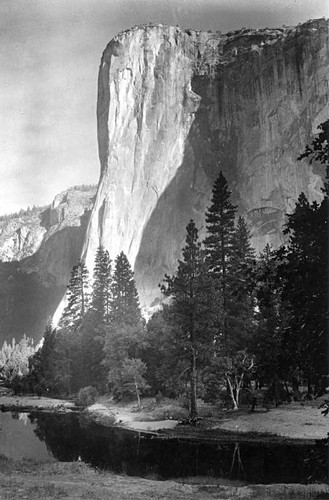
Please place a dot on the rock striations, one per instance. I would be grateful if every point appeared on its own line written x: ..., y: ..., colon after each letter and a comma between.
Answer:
x: 174, y: 107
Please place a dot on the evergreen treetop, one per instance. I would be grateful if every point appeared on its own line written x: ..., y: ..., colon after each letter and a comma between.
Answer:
x: 220, y: 219
x: 77, y: 297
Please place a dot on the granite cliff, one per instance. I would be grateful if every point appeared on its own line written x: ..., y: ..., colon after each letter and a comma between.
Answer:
x: 37, y: 251
x: 174, y: 107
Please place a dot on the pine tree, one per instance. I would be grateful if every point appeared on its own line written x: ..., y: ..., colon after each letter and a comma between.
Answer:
x: 77, y: 297
x: 102, y: 279
x: 91, y: 328
x: 68, y: 360
x: 220, y: 229
x: 125, y: 332
x: 218, y: 245
x: 125, y: 307
x: 190, y: 289
x: 318, y: 152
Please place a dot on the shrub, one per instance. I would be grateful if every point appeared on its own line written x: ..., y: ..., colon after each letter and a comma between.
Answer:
x: 87, y: 396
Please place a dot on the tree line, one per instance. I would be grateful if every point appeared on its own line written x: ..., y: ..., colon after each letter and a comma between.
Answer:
x: 28, y: 212
x: 228, y: 317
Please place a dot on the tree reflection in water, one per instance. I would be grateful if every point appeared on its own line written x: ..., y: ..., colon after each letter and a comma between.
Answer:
x: 236, y: 455
x: 69, y: 437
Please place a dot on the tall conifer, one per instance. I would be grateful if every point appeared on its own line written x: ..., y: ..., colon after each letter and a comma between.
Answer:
x: 92, y: 329
x: 220, y: 229
x: 218, y: 245
x: 125, y: 302
x: 102, y: 280
x: 125, y: 333
x: 77, y: 297
x: 304, y: 271
x: 191, y: 310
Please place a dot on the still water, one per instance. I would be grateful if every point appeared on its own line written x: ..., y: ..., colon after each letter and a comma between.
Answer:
x: 58, y: 437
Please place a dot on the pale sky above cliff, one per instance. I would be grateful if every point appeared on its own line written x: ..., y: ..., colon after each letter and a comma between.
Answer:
x: 49, y: 57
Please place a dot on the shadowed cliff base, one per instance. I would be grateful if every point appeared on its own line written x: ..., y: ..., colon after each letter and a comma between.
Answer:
x: 25, y: 303
x: 32, y: 289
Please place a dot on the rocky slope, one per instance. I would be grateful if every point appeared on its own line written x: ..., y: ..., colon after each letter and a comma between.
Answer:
x: 20, y: 235
x: 37, y: 252
x: 174, y: 107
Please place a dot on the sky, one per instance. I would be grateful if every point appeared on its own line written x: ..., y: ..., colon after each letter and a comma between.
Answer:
x: 49, y: 57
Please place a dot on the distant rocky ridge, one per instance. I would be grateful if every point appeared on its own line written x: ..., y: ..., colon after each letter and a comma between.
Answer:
x: 20, y: 236
x: 37, y: 252
x: 174, y: 107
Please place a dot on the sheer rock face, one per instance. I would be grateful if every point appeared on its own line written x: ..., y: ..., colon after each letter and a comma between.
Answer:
x: 176, y: 106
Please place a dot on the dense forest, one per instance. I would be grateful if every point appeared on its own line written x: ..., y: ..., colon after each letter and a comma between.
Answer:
x: 230, y: 322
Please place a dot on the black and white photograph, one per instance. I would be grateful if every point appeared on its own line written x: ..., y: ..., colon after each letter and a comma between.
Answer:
x: 164, y: 260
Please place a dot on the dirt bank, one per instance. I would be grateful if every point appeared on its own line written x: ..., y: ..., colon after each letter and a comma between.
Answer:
x: 152, y: 415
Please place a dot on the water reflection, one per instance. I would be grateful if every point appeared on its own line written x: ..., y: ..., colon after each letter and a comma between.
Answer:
x: 23, y: 417
x: 18, y: 439
x: 236, y: 458
x: 69, y: 437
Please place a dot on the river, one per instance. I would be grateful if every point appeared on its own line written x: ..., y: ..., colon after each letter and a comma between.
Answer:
x: 48, y: 437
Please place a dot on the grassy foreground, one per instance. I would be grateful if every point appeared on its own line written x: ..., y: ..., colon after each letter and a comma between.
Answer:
x: 29, y: 480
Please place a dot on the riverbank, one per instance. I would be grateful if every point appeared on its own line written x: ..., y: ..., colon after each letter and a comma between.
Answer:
x: 34, y: 403
x: 69, y: 481
x: 293, y: 421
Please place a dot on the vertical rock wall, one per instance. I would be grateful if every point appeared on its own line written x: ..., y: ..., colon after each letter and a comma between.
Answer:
x: 176, y: 106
